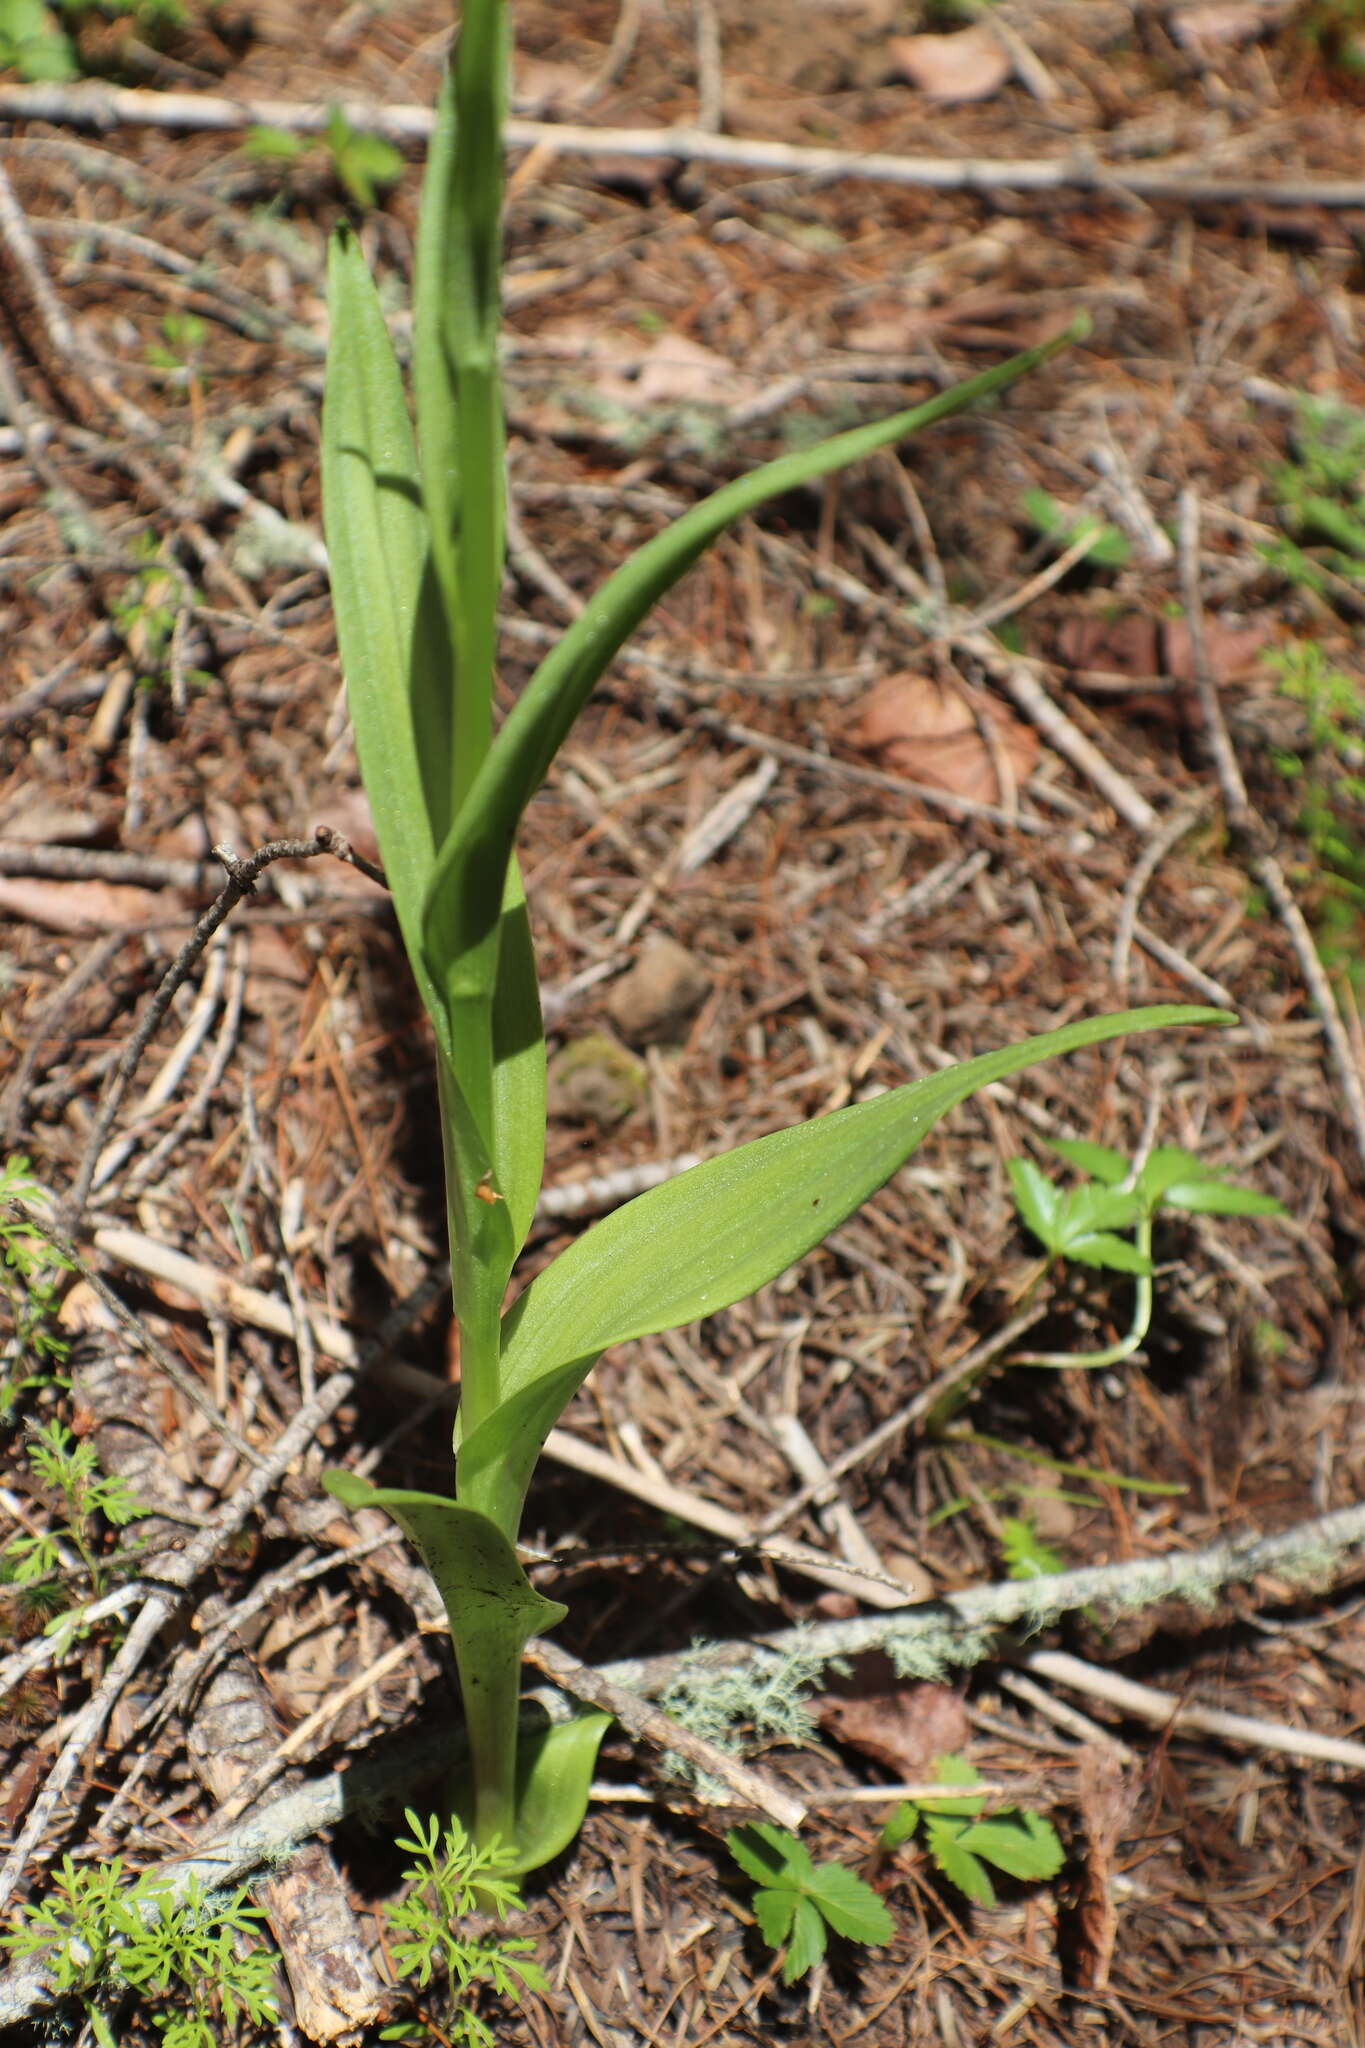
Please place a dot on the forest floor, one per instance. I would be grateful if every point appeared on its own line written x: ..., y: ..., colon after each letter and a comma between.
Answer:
x: 899, y: 775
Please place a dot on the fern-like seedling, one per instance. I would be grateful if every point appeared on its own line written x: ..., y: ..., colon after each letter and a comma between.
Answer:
x: 798, y: 1900
x: 451, y: 1879
x: 100, y: 1934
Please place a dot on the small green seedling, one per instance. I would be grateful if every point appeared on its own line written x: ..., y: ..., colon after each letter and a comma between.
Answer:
x: 451, y: 1879
x: 1108, y: 549
x: 1083, y: 1222
x: 176, y: 354
x: 1337, y: 29
x: 34, y: 44
x: 35, y: 1563
x: 799, y: 1902
x: 966, y: 1843
x: 98, y: 1936
x: 33, y: 1354
x: 145, y: 609
x: 1320, y: 498
x: 1023, y: 1551
x: 364, y: 164
x: 40, y: 41
x: 1328, y: 776
x: 416, y: 535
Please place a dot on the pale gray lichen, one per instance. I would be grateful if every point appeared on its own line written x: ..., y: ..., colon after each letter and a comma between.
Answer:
x: 933, y: 1652
x: 742, y: 1708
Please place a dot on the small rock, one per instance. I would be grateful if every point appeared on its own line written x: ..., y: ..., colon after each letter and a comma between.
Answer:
x: 654, y: 1000
x: 593, y: 1080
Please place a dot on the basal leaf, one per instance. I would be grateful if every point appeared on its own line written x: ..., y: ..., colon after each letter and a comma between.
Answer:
x: 1113, y: 1254
x: 769, y: 1854
x: 943, y: 1839
x: 807, y: 1943
x: 1221, y: 1198
x: 554, y: 1776
x: 1100, y: 1161
x: 474, y: 1567
x: 395, y: 652
x: 849, y: 1904
x: 1037, y: 1201
x: 496, y: 1460
x: 467, y: 884
x: 774, y: 1911
x: 1020, y: 1843
x: 493, y: 1611
x: 715, y: 1234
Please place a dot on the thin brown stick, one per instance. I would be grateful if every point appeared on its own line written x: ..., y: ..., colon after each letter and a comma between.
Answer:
x: 178, y: 1572
x: 710, y: 72
x: 272, y: 1766
x: 94, y: 864
x: 1162, y: 842
x: 141, y: 1338
x: 104, y: 107
x: 1169, y: 1710
x: 242, y: 877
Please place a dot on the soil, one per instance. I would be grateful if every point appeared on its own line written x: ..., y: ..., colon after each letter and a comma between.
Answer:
x: 1031, y: 820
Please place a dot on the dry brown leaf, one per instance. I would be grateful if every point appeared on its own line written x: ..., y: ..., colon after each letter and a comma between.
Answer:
x: 1127, y: 646
x: 680, y: 371
x: 972, y: 64
x: 81, y: 906
x: 544, y: 86
x: 43, y: 821
x: 1233, y: 651
x: 931, y: 733
x: 670, y: 369
x: 1137, y: 645
x: 1226, y: 24
x: 903, y: 1727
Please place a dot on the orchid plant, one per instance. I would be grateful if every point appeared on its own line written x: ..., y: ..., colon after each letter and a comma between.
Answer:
x: 414, y: 512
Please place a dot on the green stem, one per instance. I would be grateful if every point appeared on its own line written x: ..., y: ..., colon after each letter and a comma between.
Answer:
x: 478, y: 1261
x: 492, y: 1703
x: 1113, y: 1354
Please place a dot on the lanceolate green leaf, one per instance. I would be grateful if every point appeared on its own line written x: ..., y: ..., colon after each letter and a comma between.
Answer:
x: 434, y: 387
x: 394, y: 649
x: 466, y: 888
x: 714, y: 1234
x: 455, y: 368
